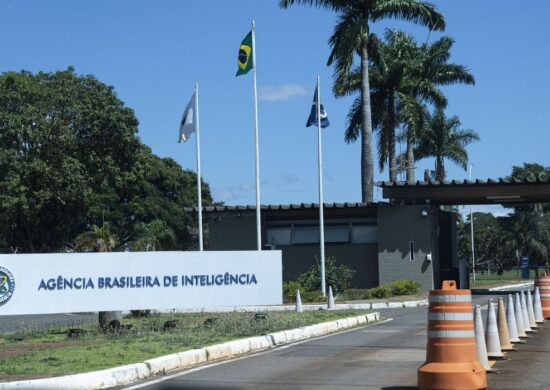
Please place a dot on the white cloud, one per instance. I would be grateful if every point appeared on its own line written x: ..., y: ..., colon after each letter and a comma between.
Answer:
x: 281, y: 92
x: 233, y: 193
x: 291, y: 180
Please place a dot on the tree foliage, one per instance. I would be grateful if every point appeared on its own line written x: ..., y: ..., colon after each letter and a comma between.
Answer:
x: 500, y: 241
x: 349, y: 44
x: 70, y: 158
x: 443, y: 138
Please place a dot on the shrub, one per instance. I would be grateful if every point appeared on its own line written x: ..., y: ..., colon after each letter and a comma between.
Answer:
x: 312, y: 296
x: 289, y: 291
x: 382, y: 291
x: 404, y: 287
x: 395, y: 288
x: 337, y: 275
x: 355, y: 294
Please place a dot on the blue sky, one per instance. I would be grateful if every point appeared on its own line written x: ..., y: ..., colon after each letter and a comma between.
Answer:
x: 152, y: 52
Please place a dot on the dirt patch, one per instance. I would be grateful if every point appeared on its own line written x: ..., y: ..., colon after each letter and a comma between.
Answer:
x: 13, y: 350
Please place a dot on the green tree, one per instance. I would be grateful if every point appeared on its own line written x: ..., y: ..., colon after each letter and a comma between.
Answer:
x: 70, y: 158
x: 350, y: 38
x: 396, y: 93
x: 490, y: 242
x: 432, y: 70
x: 65, y: 142
x: 442, y: 138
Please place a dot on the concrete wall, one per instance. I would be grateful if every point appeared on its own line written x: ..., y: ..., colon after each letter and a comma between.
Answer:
x: 397, y: 226
x: 232, y: 233
x: 360, y: 257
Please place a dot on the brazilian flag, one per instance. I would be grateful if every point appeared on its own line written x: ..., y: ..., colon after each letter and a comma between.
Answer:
x: 245, y: 55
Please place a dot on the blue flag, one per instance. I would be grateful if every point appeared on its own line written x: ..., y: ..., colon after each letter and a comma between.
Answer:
x: 312, y: 120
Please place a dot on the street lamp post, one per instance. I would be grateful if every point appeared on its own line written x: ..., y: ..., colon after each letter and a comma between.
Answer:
x: 472, y: 237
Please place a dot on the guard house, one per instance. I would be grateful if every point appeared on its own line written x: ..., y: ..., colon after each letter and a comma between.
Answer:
x: 351, y: 235
x: 381, y: 242
x: 412, y: 236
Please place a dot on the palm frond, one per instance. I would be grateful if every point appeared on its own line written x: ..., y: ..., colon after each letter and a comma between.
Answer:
x: 345, y: 40
x: 332, y: 5
x: 353, y: 123
x: 415, y: 11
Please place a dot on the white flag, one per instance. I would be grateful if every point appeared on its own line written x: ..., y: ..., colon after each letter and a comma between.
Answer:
x: 187, y: 125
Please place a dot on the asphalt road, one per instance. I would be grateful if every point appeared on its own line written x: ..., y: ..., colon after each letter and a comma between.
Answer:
x: 382, y: 356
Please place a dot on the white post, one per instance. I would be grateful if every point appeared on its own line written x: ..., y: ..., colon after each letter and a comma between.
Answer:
x: 320, y: 164
x: 258, y: 217
x: 472, y: 237
x: 198, y: 142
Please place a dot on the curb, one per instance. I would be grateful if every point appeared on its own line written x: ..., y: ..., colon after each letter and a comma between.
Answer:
x: 511, y: 286
x: 338, y: 306
x: 128, y: 374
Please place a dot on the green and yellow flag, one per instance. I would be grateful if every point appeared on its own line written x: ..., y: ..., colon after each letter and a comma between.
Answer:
x: 244, y: 60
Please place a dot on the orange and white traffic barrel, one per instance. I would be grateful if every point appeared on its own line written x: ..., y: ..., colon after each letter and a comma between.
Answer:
x: 451, y: 357
x: 543, y: 283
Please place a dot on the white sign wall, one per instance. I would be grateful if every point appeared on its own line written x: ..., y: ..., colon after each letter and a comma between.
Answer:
x: 70, y: 283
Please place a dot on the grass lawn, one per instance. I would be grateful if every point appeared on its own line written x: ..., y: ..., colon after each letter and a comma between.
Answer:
x: 494, y: 279
x: 33, y: 354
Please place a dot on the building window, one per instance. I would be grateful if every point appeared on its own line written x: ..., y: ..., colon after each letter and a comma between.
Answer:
x: 337, y: 233
x: 364, y: 233
x: 305, y: 234
x: 278, y: 235
x: 411, y: 251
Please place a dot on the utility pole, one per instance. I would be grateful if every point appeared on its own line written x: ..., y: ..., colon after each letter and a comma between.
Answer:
x: 472, y: 237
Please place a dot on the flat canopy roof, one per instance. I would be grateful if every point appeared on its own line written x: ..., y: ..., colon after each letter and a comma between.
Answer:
x: 491, y: 191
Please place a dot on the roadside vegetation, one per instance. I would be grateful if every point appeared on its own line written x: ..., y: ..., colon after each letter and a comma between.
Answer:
x: 31, y: 353
x: 501, y: 241
x: 339, y: 278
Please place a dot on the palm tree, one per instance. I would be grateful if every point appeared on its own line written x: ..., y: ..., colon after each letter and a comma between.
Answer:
x: 351, y: 37
x: 434, y: 71
x: 442, y: 138
x: 99, y: 239
x: 395, y: 92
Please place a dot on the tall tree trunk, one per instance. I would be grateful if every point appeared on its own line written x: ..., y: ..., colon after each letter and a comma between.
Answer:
x: 391, y: 139
x: 439, y: 169
x: 105, y: 317
x: 367, y: 165
x: 410, y: 157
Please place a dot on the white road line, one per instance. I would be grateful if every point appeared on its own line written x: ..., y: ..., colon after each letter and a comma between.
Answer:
x: 210, y: 365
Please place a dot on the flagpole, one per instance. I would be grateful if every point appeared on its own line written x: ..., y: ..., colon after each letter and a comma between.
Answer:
x: 258, y: 217
x: 321, y: 202
x: 198, y: 143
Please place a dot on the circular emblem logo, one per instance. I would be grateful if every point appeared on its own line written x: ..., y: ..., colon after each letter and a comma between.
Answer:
x: 7, y: 285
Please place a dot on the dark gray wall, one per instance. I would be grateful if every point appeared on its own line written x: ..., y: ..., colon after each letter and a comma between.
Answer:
x: 360, y: 257
x: 397, y: 226
x: 232, y: 233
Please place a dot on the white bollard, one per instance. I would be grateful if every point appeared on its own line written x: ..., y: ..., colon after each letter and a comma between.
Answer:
x: 519, y: 317
x: 299, y: 307
x: 531, y: 311
x: 539, y: 316
x: 524, y: 313
x: 481, y: 348
x: 330, y: 303
x: 511, y: 318
x: 492, y: 339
